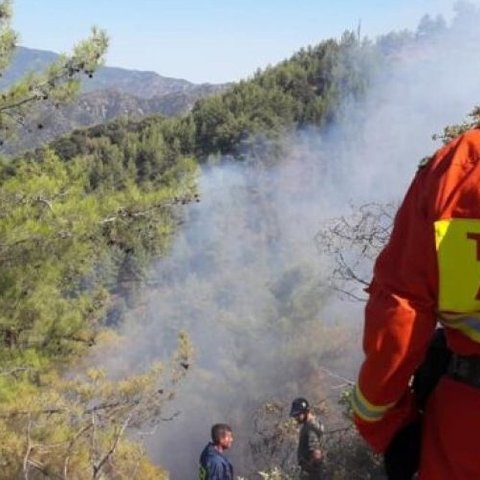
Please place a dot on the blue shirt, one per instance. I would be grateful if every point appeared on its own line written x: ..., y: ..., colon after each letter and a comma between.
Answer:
x: 214, y: 465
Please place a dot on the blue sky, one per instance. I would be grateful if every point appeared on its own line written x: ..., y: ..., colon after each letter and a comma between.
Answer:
x: 210, y: 40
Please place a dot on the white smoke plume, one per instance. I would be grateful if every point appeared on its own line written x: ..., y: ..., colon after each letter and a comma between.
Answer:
x: 245, y: 278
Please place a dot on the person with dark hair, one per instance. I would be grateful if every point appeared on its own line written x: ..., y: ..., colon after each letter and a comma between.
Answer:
x: 214, y: 465
x: 309, y: 453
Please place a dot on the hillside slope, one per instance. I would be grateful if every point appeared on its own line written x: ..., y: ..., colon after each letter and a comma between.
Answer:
x: 111, y: 93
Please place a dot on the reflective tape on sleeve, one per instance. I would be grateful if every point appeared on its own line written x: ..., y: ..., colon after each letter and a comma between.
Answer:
x: 365, y: 410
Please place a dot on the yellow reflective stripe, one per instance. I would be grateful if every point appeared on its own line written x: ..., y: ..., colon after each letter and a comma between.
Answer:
x: 468, y: 324
x: 365, y: 410
x: 457, y: 242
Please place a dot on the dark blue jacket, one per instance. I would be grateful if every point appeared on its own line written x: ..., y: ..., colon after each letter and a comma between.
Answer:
x: 214, y: 465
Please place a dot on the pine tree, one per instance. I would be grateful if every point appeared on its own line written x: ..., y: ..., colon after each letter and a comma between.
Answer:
x: 58, y: 84
x: 76, y: 226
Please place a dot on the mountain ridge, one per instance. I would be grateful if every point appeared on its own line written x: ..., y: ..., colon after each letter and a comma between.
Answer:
x: 27, y: 59
x: 111, y: 92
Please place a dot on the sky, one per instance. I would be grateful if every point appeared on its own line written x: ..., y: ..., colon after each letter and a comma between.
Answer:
x: 210, y: 41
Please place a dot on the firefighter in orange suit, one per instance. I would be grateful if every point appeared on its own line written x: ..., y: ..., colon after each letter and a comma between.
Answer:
x: 429, y: 271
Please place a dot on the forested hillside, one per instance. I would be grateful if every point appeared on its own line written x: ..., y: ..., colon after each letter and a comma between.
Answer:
x: 83, y: 219
x: 71, y: 235
x: 109, y: 94
x: 303, y: 91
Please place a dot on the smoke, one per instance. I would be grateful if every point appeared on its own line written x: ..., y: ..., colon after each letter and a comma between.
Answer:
x: 245, y: 278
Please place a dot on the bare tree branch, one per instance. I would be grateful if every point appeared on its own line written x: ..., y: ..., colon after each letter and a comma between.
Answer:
x: 97, y: 468
x: 352, y: 243
x: 29, y: 449
x: 65, y: 467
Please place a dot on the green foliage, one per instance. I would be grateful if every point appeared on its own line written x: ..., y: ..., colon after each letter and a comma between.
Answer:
x: 452, y: 131
x: 75, y: 428
x: 7, y: 35
x: 305, y: 90
x: 58, y: 84
x: 78, y: 223
x: 81, y: 220
x: 74, y: 236
x: 60, y: 224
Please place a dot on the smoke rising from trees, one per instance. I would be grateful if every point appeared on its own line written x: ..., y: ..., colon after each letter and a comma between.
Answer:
x: 245, y: 277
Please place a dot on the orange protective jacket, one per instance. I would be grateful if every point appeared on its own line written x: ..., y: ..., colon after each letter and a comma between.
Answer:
x: 428, y: 272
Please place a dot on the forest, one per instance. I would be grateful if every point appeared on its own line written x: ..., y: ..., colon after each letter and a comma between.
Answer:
x: 130, y: 279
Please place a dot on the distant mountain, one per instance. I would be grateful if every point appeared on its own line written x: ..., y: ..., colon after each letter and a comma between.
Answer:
x: 137, y: 83
x: 112, y: 92
x: 26, y: 60
x: 100, y: 107
x: 133, y: 82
